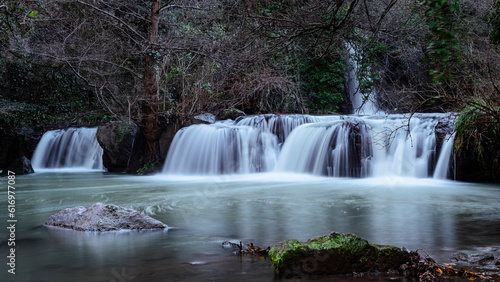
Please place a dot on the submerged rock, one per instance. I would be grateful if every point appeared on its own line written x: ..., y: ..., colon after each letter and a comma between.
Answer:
x: 103, y: 217
x: 333, y: 254
x: 479, y: 258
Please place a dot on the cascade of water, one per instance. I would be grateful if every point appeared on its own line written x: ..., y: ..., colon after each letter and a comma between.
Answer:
x: 338, y: 146
x: 362, y: 105
x: 337, y: 149
x: 443, y: 163
x: 221, y: 149
x: 402, y: 147
x: 68, y: 148
x: 279, y: 125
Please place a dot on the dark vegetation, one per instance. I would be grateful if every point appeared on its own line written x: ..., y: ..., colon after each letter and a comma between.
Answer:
x: 152, y: 62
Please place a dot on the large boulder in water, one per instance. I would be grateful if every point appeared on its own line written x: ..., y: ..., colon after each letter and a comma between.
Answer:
x: 334, y: 254
x: 103, y: 217
x: 116, y: 140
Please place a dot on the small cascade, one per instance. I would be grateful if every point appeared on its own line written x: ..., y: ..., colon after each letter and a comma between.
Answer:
x: 402, y: 147
x: 68, y: 148
x: 221, y: 149
x: 443, y: 163
x: 362, y: 105
x: 279, y: 125
x: 337, y: 149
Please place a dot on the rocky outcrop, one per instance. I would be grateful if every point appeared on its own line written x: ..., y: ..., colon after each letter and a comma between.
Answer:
x: 103, y: 217
x: 116, y: 139
x: 204, y: 119
x: 20, y: 165
x: 230, y: 114
x: 15, y: 142
x: 334, y: 254
x: 169, y: 125
x: 469, y: 169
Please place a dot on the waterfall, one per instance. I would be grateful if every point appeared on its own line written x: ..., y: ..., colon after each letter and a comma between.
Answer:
x: 362, y: 105
x: 68, y: 148
x: 443, y: 163
x: 279, y: 125
x: 337, y: 149
x: 337, y: 146
x: 221, y: 149
x: 402, y: 147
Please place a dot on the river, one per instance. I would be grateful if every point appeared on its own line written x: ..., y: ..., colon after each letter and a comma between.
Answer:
x: 441, y: 216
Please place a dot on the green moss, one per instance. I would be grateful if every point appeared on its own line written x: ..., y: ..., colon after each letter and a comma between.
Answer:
x: 284, y: 251
x: 122, y: 130
x: 334, y: 253
x: 344, y: 242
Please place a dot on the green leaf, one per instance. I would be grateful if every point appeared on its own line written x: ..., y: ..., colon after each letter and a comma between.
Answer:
x: 33, y: 14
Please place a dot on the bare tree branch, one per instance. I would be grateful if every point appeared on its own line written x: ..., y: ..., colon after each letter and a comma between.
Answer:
x: 114, y: 17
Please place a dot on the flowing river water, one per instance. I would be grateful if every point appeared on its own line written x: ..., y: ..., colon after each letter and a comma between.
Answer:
x: 441, y: 216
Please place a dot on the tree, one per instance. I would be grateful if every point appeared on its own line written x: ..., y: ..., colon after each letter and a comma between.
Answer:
x: 150, y: 107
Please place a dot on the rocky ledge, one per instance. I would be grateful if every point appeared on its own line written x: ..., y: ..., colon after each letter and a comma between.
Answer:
x: 334, y: 254
x: 103, y: 217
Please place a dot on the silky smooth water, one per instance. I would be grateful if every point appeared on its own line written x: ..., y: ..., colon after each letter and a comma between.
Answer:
x: 440, y: 216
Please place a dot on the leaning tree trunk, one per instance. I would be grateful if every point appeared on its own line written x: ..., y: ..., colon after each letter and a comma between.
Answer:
x: 150, y: 106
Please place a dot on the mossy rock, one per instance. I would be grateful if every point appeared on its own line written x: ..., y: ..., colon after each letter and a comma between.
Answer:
x: 116, y: 139
x: 230, y: 114
x: 334, y: 254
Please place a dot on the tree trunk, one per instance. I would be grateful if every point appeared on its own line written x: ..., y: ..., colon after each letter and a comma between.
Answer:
x: 150, y: 106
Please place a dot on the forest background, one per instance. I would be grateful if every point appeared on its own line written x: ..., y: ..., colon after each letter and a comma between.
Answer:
x: 151, y: 63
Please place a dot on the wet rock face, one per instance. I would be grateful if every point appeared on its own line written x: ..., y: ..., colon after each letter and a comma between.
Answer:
x: 103, y: 217
x: 116, y: 139
x: 20, y: 165
x: 230, y: 114
x: 334, y: 254
x: 204, y: 119
x: 484, y: 259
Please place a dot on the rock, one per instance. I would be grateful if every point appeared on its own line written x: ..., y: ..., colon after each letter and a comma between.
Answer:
x: 230, y: 114
x: 480, y: 258
x: 444, y: 128
x: 116, y: 140
x: 103, y: 217
x: 168, y: 129
x: 460, y: 257
x: 334, y: 254
x: 16, y: 143
x: 204, y: 118
x: 19, y: 166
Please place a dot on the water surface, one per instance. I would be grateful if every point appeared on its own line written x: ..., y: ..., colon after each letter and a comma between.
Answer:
x: 440, y: 216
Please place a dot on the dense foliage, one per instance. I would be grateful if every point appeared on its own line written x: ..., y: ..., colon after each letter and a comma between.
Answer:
x: 256, y: 56
x: 494, y: 21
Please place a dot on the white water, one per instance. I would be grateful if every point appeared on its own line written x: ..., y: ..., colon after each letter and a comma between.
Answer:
x: 442, y: 166
x: 442, y: 217
x: 362, y: 104
x: 338, y: 146
x: 68, y: 149
x: 279, y: 125
x: 221, y: 149
x: 324, y: 149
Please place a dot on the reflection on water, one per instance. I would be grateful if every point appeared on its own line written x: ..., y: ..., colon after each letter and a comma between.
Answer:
x: 439, y: 216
